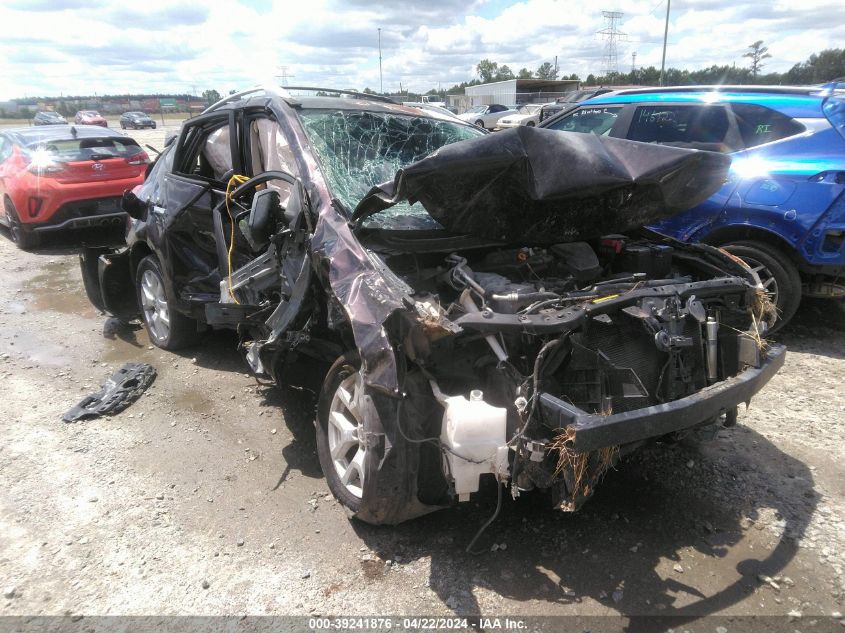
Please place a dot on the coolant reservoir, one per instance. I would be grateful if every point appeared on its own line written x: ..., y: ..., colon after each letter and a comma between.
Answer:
x: 474, y: 431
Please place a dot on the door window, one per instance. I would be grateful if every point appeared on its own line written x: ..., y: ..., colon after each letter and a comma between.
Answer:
x: 5, y: 148
x: 696, y: 127
x: 206, y: 151
x: 595, y: 120
x: 758, y: 125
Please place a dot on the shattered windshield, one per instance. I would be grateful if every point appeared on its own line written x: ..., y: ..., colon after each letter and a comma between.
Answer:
x: 359, y: 150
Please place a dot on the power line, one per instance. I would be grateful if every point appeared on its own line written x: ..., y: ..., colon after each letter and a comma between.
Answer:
x: 611, y: 34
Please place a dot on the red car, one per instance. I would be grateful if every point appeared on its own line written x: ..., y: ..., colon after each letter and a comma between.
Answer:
x: 63, y: 177
x: 90, y: 117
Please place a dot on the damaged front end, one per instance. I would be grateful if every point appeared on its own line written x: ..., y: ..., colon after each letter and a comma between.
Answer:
x: 547, y: 364
x: 543, y: 358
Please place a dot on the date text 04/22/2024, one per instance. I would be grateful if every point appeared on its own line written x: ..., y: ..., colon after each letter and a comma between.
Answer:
x: 416, y: 624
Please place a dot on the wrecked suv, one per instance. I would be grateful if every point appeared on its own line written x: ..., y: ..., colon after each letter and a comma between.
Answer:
x: 480, y: 305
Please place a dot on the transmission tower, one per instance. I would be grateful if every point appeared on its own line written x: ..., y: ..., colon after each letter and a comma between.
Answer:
x: 611, y: 34
x: 285, y: 75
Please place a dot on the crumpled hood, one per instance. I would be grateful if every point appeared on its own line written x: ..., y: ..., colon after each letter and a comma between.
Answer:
x: 542, y: 186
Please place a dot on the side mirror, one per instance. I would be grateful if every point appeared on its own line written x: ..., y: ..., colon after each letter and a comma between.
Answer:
x: 133, y: 205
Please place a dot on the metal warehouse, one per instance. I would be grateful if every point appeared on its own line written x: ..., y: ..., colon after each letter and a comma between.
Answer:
x: 518, y: 91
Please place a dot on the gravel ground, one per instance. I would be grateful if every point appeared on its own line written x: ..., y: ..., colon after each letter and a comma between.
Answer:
x: 206, y: 497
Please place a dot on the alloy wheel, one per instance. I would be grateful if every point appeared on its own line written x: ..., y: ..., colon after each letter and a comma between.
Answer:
x: 767, y: 277
x: 154, y: 305
x: 346, y: 435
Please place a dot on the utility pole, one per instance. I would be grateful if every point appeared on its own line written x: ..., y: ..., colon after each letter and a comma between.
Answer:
x: 665, y: 37
x: 284, y: 76
x: 380, y: 76
x: 611, y: 34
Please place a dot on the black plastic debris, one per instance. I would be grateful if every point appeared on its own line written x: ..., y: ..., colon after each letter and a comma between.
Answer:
x: 123, y: 388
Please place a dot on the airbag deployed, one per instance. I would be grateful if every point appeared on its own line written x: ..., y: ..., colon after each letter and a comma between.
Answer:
x: 543, y: 186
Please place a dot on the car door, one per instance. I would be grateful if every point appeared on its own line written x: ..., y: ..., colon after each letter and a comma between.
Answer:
x: 793, y: 172
x: 701, y: 126
x: 185, y: 234
x: 266, y: 148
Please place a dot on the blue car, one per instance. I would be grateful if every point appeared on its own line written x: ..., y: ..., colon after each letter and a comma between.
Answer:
x: 782, y: 209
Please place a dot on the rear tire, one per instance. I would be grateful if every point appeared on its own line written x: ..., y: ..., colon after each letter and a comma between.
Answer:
x: 778, y: 274
x: 530, y: 124
x: 167, y: 328
x: 344, y: 458
x: 480, y: 123
x: 24, y: 240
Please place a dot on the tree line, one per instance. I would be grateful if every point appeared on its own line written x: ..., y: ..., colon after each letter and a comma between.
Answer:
x: 821, y: 67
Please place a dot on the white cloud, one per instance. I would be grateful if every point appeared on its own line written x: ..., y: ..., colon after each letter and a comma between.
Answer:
x: 75, y: 47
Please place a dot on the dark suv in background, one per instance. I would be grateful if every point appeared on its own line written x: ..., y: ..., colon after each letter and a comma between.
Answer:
x: 782, y: 209
x: 136, y: 120
x: 49, y: 118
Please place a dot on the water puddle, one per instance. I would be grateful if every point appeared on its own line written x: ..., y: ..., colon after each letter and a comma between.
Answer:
x: 58, y: 289
x: 123, y: 343
x: 14, y: 307
x: 38, y: 351
x: 194, y: 401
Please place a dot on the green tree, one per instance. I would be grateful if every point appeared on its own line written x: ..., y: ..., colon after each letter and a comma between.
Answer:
x: 504, y: 73
x: 486, y: 70
x: 546, y: 71
x: 210, y: 96
x: 757, y: 53
x: 524, y: 73
x: 819, y: 67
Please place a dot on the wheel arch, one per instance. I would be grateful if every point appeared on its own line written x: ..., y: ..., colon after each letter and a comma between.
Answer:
x: 137, y: 252
x: 744, y: 232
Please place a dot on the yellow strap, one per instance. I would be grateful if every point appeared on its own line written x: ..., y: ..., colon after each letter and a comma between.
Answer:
x: 235, y: 180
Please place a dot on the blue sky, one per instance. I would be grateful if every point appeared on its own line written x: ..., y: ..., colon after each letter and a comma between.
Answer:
x: 52, y: 47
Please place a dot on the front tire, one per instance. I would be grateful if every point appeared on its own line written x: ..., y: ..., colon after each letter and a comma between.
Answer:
x: 167, y: 328
x: 480, y: 123
x: 779, y: 276
x: 341, y: 444
x: 530, y: 124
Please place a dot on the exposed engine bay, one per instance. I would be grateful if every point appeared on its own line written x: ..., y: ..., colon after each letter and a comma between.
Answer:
x: 505, y: 347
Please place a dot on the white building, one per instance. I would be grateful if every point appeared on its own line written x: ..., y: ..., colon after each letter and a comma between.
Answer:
x: 514, y: 92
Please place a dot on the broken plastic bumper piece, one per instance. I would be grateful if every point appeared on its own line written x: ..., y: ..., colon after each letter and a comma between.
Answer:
x: 123, y: 388
x: 595, y: 431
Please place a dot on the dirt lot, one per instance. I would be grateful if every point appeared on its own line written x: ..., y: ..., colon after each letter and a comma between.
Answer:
x: 205, y: 497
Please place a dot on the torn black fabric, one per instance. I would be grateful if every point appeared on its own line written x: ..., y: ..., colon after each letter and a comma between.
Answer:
x: 540, y: 186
